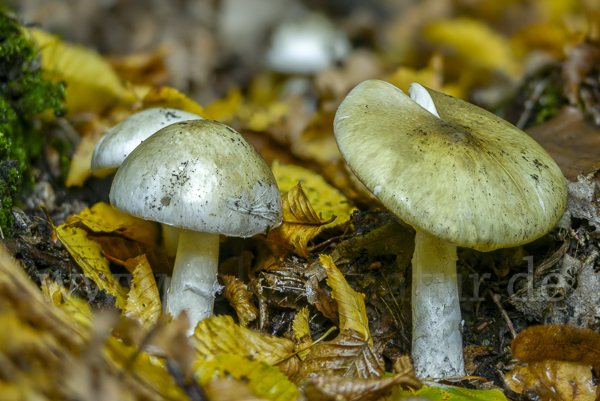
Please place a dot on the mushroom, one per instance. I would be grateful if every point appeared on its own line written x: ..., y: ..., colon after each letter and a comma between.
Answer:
x: 204, y: 178
x: 460, y: 176
x: 120, y: 140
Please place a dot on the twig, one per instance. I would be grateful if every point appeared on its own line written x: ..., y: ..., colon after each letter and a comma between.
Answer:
x: 496, y: 299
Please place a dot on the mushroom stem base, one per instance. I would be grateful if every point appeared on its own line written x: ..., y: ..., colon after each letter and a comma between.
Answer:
x: 194, y: 282
x: 437, y: 341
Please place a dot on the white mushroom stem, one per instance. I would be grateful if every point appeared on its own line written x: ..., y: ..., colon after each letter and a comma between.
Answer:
x: 194, y: 282
x: 437, y: 340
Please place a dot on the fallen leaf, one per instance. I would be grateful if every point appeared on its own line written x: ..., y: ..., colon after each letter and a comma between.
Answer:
x: 348, y: 355
x: 75, y: 307
x: 143, y: 300
x: 104, y: 218
x: 263, y: 380
x: 351, y: 304
x: 230, y: 390
x: 324, y: 198
x: 88, y: 255
x: 571, y: 141
x: 240, y: 299
x: 474, y: 43
x: 302, y: 332
x: 145, y: 68
x: 92, y: 84
x: 224, y: 110
x: 80, y: 168
x: 165, y: 96
x: 557, y: 341
x: 440, y: 392
x: 358, y: 389
x: 551, y: 379
x: 219, y: 335
x: 300, y: 222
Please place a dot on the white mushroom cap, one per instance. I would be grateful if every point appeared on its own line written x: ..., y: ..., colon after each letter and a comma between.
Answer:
x: 199, y: 175
x: 307, y: 46
x: 468, y: 177
x: 121, y: 139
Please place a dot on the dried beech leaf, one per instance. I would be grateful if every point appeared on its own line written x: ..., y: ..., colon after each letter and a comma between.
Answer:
x: 324, y: 198
x: 165, y: 96
x: 104, y: 218
x: 143, y: 301
x: 441, y: 392
x: 265, y: 381
x: 348, y: 355
x: 219, y: 335
x: 88, y: 255
x: 300, y: 222
x: 550, y: 379
x: 351, y: 304
x: 557, y: 341
x: 240, y: 299
x: 92, y: 84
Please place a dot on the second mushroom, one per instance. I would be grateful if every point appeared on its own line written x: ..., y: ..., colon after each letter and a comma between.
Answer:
x: 203, y: 177
x: 460, y: 176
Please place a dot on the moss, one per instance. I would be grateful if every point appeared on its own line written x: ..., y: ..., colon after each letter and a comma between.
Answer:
x: 24, y: 93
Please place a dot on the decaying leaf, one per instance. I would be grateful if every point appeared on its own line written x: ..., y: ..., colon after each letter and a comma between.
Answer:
x: 165, y: 96
x: 143, y: 300
x: 348, y: 355
x: 554, y: 380
x: 300, y: 222
x: 351, y: 304
x: 324, y: 198
x: 92, y: 84
x: 557, y: 341
x: 88, y: 255
x: 118, y: 248
x: 230, y: 390
x: 240, y: 298
x: 219, y: 335
x: 358, y: 389
x: 104, y: 218
x: 76, y: 308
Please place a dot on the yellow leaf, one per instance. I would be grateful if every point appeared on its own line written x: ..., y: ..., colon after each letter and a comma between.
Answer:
x: 302, y: 332
x: 88, y: 255
x: 224, y: 109
x: 300, y: 222
x: 103, y: 217
x: 263, y: 380
x: 324, y: 198
x: 170, y: 97
x: 143, y: 301
x: 475, y: 43
x: 92, y: 84
x: 219, y: 335
x: 351, y: 304
x: 441, y: 392
x: 75, y: 307
x: 80, y: 168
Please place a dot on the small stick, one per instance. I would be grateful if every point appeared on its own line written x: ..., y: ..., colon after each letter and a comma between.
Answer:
x: 496, y: 299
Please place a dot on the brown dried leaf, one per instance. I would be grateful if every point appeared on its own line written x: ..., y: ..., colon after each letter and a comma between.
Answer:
x: 348, y: 355
x: 571, y: 141
x: 146, y: 68
x: 358, y: 389
x: 554, y: 380
x: 143, y: 301
x: 560, y: 342
x: 240, y: 298
x: 219, y: 335
x: 300, y: 222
